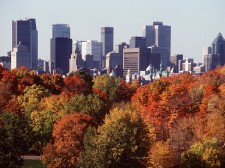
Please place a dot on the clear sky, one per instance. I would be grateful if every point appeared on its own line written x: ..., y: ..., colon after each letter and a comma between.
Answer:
x: 194, y: 23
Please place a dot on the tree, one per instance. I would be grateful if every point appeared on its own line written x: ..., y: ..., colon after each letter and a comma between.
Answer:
x: 76, y: 85
x: 15, y: 139
x: 43, y: 118
x: 122, y: 141
x: 208, y: 153
x: 91, y: 104
x: 109, y: 85
x: 67, y: 143
x: 31, y: 98
x: 163, y: 155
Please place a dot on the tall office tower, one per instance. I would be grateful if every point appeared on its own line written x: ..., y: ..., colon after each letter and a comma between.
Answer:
x: 25, y: 31
x: 149, y: 34
x: 20, y: 56
x: 218, y: 48
x: 159, y: 35
x: 107, y: 40
x: 137, y: 42
x: 60, y: 30
x: 207, y: 58
x: 61, y: 49
x: 76, y: 61
x: 175, y: 62
x: 94, y: 48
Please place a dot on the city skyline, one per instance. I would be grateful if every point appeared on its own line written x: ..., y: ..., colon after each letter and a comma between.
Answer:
x: 194, y: 25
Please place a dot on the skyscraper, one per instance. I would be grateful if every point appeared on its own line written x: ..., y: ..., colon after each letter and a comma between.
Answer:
x: 94, y: 48
x: 218, y: 48
x: 61, y: 49
x: 107, y: 40
x: 60, y: 30
x: 20, y: 56
x: 159, y: 35
x: 25, y: 32
x: 137, y: 42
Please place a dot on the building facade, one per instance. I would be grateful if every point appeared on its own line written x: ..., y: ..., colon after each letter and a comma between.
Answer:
x: 137, y: 42
x: 60, y: 30
x: 138, y: 59
x: 107, y: 40
x: 159, y: 35
x: 93, y: 48
x: 25, y: 32
x: 61, y: 50
x: 20, y: 56
x: 218, y: 48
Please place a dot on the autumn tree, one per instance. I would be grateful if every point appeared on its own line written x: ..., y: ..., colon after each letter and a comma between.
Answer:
x: 122, y: 141
x: 112, y: 86
x: 43, y: 118
x: 67, y: 145
x: 208, y: 153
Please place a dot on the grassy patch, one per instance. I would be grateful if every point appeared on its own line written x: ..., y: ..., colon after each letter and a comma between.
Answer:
x: 33, y: 164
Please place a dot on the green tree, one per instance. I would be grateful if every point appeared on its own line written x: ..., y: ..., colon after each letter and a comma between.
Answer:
x: 15, y: 139
x: 208, y: 153
x: 122, y: 141
x: 90, y: 104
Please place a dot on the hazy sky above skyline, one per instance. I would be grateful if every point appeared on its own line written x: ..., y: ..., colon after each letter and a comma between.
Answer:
x: 194, y: 23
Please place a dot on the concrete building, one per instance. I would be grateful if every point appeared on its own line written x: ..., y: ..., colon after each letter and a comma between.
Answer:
x: 207, y: 58
x: 20, y: 56
x: 60, y: 30
x: 188, y: 65
x: 93, y: 48
x: 76, y: 62
x: 138, y: 59
x: 25, y: 32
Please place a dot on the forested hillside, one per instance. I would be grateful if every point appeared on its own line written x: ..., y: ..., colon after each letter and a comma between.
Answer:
x: 80, y: 121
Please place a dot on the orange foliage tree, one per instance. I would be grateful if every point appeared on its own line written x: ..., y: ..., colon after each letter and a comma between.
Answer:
x: 67, y: 145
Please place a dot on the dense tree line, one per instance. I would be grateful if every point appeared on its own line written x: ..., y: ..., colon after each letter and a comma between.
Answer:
x: 81, y: 121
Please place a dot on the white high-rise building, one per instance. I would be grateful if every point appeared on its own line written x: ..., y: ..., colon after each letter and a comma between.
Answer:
x: 20, y: 56
x: 94, y: 48
x: 60, y: 30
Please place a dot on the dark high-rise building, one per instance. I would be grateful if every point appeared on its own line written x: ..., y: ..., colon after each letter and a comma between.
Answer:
x: 218, y: 48
x: 176, y: 64
x: 107, y: 40
x: 61, y: 50
x: 159, y: 35
x: 137, y: 42
x: 25, y: 32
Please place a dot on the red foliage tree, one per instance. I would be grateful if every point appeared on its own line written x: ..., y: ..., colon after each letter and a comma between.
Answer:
x: 68, y: 136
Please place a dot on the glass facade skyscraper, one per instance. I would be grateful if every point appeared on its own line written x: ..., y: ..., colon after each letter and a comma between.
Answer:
x: 107, y: 40
x: 60, y: 30
x: 25, y: 32
x: 159, y: 35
